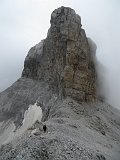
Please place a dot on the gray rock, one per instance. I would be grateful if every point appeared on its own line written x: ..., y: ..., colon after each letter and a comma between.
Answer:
x: 73, y: 132
x: 63, y: 59
x: 59, y: 73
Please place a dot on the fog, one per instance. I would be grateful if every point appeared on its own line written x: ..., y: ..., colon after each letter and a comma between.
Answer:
x: 24, y: 23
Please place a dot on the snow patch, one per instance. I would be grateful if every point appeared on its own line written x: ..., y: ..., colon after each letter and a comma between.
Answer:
x: 33, y: 113
x: 7, y: 133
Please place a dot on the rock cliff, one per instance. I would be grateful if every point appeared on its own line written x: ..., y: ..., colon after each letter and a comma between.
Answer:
x: 59, y: 75
x: 63, y: 59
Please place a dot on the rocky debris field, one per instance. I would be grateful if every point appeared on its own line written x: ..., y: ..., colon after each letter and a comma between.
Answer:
x: 74, y: 131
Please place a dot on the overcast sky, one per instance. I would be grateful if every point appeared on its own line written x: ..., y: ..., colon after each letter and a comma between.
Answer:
x: 23, y: 23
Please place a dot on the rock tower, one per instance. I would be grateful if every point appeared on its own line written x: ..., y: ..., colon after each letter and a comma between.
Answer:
x: 64, y: 59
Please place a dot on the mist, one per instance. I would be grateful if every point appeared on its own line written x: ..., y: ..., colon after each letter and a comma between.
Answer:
x: 25, y: 23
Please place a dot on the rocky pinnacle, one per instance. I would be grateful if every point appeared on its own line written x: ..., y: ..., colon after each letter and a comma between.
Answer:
x: 64, y: 59
x: 59, y: 74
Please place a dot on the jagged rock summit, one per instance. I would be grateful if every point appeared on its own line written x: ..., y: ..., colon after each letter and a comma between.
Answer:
x: 63, y: 59
x: 59, y: 78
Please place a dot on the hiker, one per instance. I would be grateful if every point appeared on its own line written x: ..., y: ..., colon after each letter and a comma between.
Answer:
x: 44, y: 128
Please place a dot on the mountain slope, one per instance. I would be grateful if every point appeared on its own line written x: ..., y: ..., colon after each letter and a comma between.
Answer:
x: 59, y: 76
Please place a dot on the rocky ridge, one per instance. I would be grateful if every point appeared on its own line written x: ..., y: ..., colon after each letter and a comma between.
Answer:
x: 59, y: 73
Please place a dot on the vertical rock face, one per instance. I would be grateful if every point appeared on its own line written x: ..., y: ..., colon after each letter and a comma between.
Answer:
x: 64, y: 58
